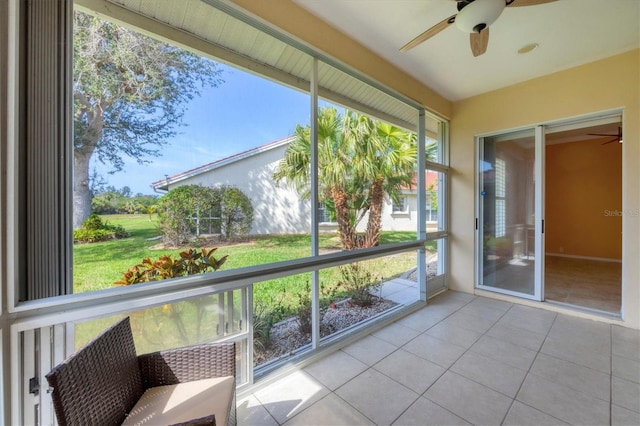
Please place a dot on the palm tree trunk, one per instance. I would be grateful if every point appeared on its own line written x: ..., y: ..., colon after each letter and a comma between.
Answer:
x: 347, y: 234
x: 374, y: 224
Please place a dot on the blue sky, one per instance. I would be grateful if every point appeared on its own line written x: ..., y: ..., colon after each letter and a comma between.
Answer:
x: 243, y: 112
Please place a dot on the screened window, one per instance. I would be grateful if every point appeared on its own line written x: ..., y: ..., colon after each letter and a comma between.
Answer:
x: 400, y: 206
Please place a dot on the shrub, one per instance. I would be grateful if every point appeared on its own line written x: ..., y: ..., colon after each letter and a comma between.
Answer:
x: 188, y: 210
x: 303, y: 313
x: 262, y: 323
x: 236, y: 212
x: 94, y: 229
x: 190, y: 262
x: 359, y: 283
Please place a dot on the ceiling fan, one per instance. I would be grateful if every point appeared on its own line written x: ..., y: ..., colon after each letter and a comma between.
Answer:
x: 473, y: 17
x: 616, y: 138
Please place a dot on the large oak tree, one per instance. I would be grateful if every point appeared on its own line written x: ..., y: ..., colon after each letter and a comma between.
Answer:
x: 130, y: 93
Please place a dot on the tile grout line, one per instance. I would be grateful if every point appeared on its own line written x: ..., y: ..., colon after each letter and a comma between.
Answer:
x: 422, y: 395
x: 515, y: 398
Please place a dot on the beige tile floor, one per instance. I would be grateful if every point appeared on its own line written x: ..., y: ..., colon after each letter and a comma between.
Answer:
x: 583, y: 282
x: 465, y: 360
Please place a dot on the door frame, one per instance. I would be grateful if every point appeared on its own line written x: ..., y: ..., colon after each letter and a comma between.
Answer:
x: 538, y: 293
x: 541, y: 129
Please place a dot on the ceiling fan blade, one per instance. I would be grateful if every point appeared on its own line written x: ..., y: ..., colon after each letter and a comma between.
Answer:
x: 516, y: 3
x: 479, y: 42
x: 429, y: 33
x: 618, y: 135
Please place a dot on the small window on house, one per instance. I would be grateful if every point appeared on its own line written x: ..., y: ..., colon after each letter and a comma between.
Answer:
x: 400, y: 206
x: 325, y: 214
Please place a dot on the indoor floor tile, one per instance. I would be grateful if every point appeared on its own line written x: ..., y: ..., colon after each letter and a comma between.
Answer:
x: 522, y: 415
x: 596, y: 357
x: 470, y: 322
x: 336, y: 369
x: 473, y: 402
x: 425, y: 413
x: 454, y: 334
x: 491, y: 373
x: 563, y: 402
x: 575, y: 376
x: 625, y: 368
x: 424, y: 318
x: 290, y: 395
x: 623, y: 417
x: 625, y: 342
x: 396, y: 334
x: 378, y: 397
x: 505, y: 352
x: 435, y: 350
x: 330, y: 410
x: 625, y: 394
x: 436, y: 367
x: 410, y: 370
x: 369, y: 349
x: 528, y: 318
x: 517, y: 336
x: 250, y: 412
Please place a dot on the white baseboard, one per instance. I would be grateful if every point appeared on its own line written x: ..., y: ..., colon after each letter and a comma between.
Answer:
x: 572, y: 256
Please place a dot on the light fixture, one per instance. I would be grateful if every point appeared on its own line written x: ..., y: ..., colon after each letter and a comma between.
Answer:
x: 478, y: 15
x: 528, y: 48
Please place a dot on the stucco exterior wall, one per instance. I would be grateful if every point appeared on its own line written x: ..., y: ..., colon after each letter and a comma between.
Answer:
x: 276, y: 209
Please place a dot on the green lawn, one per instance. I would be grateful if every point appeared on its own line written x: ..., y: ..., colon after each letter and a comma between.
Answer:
x: 98, y: 265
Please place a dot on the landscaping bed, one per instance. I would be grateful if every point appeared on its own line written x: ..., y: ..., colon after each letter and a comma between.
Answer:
x: 286, y: 336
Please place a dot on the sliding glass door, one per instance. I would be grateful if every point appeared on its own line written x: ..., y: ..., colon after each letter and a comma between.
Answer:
x: 510, y: 213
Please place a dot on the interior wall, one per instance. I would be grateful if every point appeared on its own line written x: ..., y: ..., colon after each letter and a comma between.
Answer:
x: 603, y: 85
x: 583, y: 199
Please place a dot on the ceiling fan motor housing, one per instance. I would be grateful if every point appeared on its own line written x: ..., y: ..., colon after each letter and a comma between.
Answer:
x: 476, y: 15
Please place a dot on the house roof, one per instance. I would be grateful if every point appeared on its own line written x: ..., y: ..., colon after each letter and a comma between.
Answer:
x: 163, y: 184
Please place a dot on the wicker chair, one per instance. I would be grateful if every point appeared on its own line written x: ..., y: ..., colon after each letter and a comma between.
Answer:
x: 107, y: 383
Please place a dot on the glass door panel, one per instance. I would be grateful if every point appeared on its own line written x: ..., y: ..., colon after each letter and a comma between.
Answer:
x: 507, y: 207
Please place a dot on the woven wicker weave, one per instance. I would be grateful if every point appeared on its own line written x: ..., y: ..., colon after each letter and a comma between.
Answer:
x: 100, y: 383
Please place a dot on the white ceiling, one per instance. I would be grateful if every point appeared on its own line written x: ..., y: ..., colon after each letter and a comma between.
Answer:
x: 569, y: 32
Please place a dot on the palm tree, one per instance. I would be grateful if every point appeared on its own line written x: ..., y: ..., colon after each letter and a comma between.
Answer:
x: 359, y: 161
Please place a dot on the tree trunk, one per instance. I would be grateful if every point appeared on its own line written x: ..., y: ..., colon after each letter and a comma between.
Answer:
x: 81, y: 189
x: 374, y: 224
x: 347, y: 233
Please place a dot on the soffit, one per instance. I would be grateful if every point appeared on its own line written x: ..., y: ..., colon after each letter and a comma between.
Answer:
x: 242, y: 45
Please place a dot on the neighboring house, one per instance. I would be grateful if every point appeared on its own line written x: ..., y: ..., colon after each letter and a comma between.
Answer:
x: 278, y: 209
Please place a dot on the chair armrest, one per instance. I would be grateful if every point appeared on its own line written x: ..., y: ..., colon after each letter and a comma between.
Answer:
x: 186, y: 364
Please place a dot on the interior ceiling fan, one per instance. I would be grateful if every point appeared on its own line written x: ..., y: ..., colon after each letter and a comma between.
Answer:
x: 473, y: 17
x: 615, y: 138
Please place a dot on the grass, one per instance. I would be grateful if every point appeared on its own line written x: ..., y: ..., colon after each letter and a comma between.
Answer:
x: 98, y: 265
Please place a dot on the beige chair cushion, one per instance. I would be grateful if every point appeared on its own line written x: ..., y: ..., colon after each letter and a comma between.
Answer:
x: 165, y: 405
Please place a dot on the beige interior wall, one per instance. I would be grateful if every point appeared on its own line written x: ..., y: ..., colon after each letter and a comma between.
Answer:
x: 599, y: 86
x: 583, y: 195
